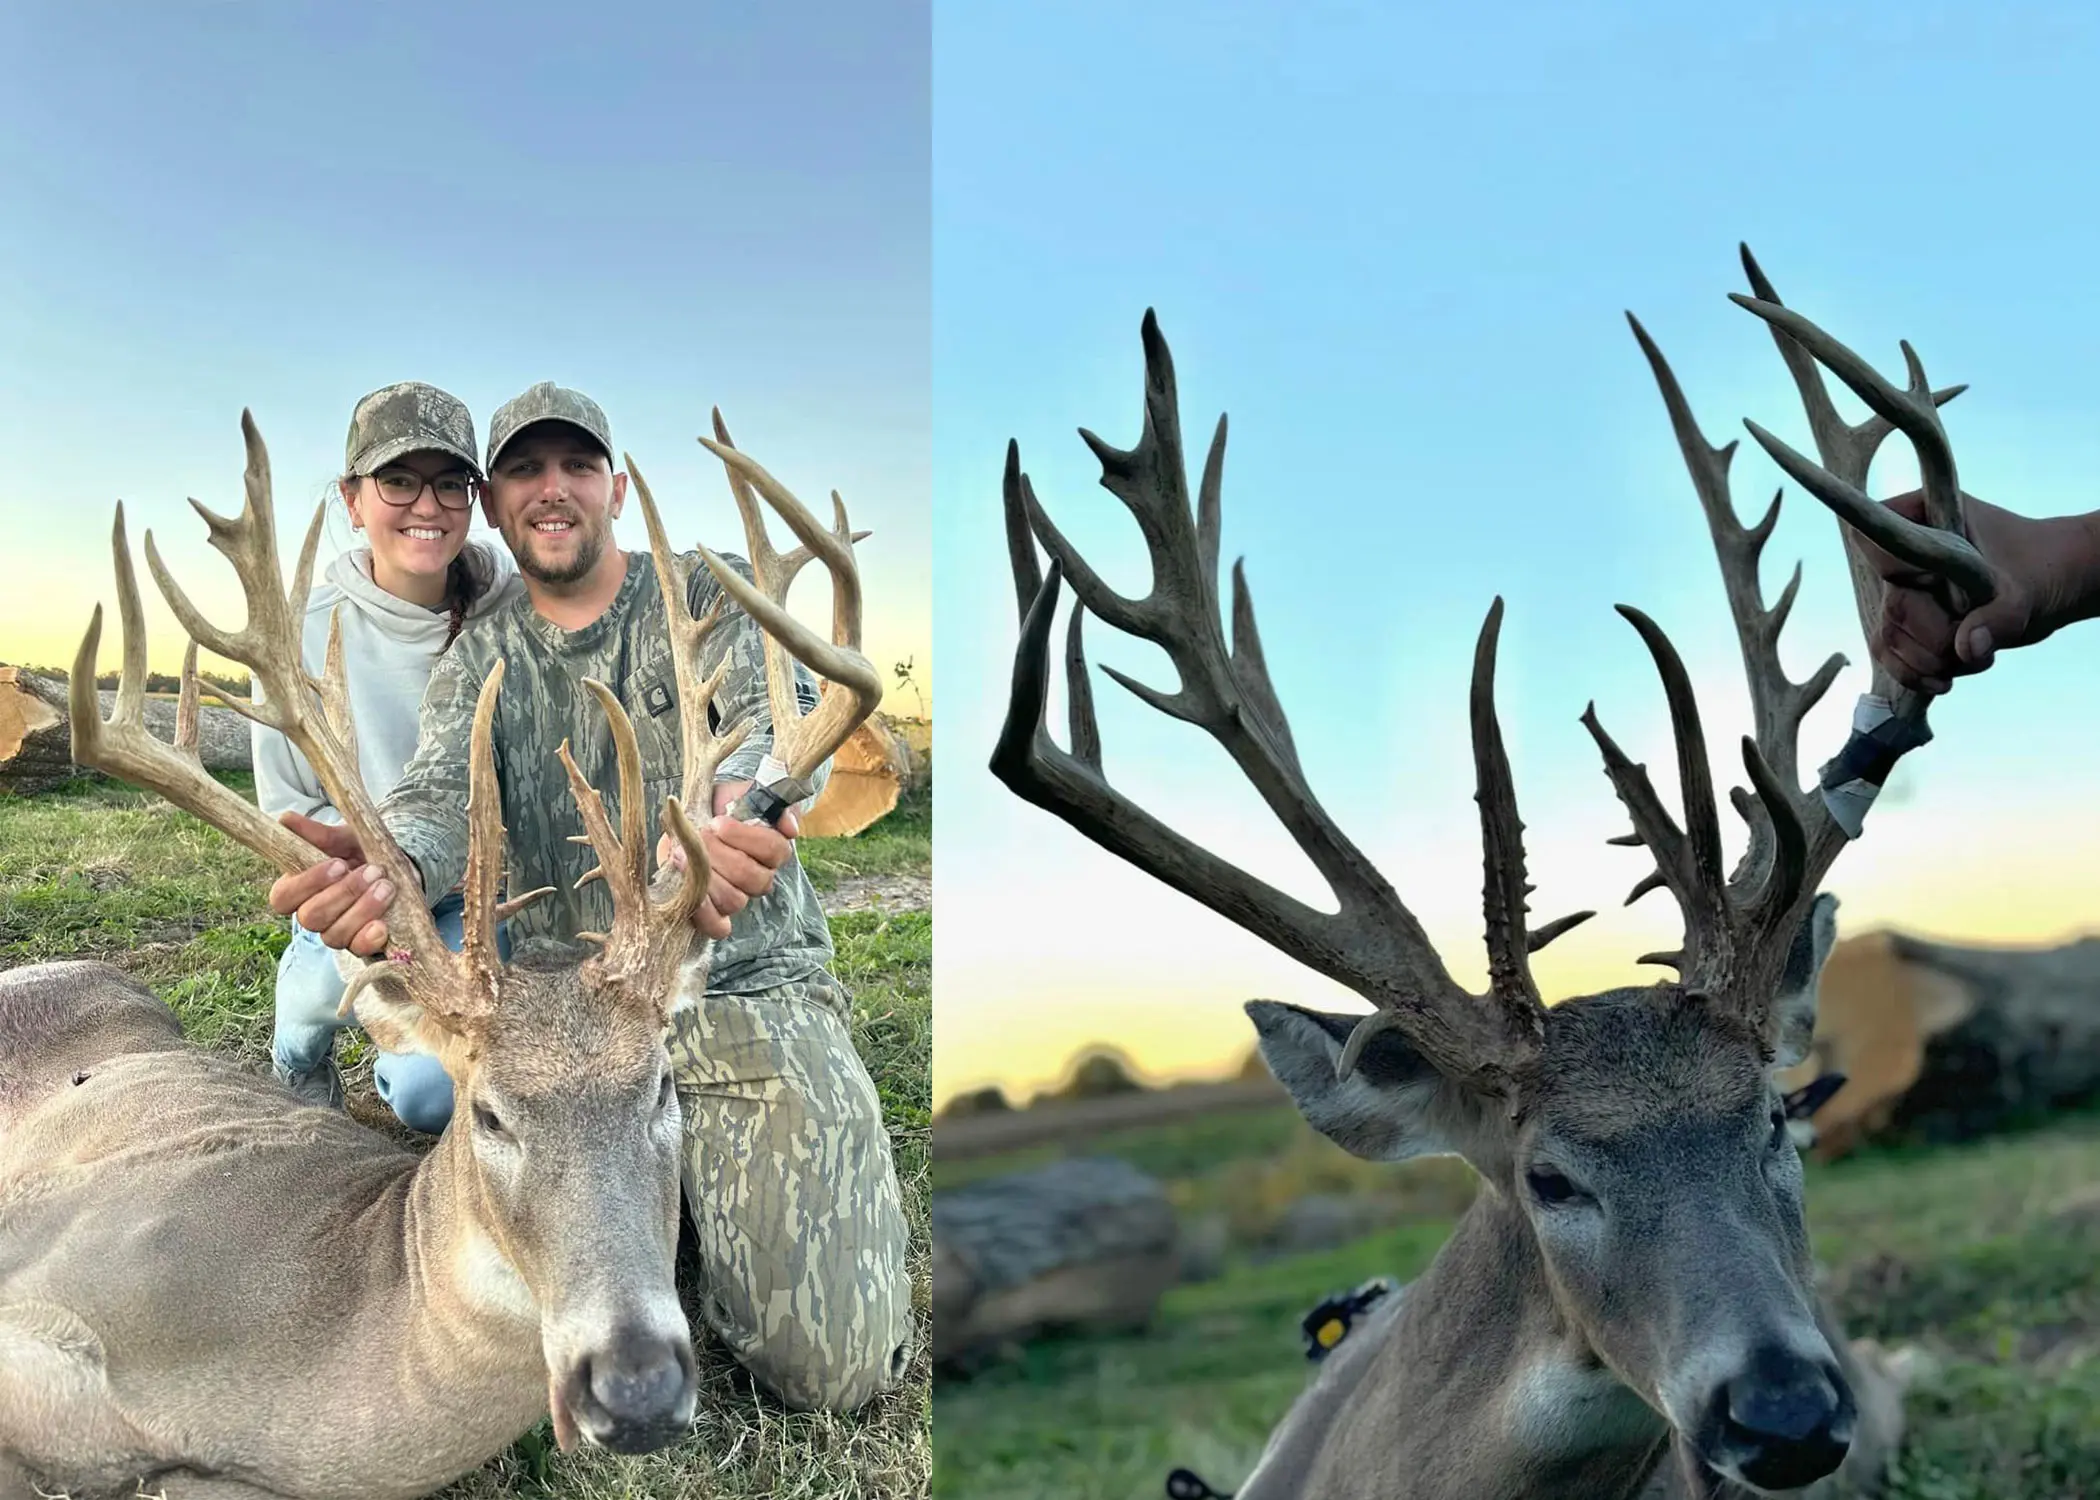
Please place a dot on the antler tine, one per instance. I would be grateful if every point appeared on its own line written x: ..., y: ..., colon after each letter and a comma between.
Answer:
x: 478, y: 953
x: 123, y: 748
x: 651, y: 934
x: 334, y: 691
x: 621, y: 856
x: 1502, y: 842
x: 852, y: 689
x: 704, y: 749
x: 269, y: 643
x: 1372, y: 943
x: 1941, y: 546
x: 782, y: 568
x: 186, y: 704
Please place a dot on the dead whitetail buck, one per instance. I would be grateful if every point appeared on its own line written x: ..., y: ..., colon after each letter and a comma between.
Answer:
x: 210, y: 1288
x: 1636, y: 1273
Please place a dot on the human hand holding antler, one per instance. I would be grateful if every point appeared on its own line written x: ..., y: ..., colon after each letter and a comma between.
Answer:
x: 344, y: 899
x: 2045, y: 572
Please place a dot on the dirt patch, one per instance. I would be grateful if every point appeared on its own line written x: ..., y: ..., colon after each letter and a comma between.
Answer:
x: 141, y: 952
x: 879, y: 892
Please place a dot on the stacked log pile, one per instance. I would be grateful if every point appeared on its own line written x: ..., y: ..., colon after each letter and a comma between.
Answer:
x: 1947, y: 1042
x: 1082, y: 1244
x: 36, y: 743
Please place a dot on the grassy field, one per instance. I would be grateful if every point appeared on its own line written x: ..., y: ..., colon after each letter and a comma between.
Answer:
x: 105, y: 872
x: 1987, y: 1256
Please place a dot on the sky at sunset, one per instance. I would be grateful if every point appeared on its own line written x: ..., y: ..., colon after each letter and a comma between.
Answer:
x: 1396, y: 245
x: 212, y: 207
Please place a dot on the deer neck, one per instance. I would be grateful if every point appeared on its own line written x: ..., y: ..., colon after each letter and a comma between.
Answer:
x: 472, y: 1337
x: 1480, y: 1387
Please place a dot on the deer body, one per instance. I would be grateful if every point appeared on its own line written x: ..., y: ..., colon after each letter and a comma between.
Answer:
x: 208, y: 1285
x: 124, y: 1191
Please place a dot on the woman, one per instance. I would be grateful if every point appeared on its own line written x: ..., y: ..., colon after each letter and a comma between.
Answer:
x: 409, y: 483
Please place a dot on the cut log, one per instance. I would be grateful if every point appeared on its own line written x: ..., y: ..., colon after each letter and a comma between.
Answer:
x: 868, y: 774
x: 1084, y: 1244
x: 1945, y: 1042
x: 36, y: 740
x: 36, y: 751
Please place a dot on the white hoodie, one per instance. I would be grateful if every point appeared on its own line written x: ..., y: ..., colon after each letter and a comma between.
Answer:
x: 389, y: 648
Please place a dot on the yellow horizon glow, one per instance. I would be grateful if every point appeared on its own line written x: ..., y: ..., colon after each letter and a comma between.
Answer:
x: 1180, y: 1018
x: 44, y: 616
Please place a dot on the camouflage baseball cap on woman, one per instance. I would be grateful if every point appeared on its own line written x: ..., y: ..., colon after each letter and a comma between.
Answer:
x: 409, y: 417
x: 548, y: 402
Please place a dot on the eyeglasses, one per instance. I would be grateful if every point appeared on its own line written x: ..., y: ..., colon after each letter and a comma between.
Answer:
x: 402, y: 488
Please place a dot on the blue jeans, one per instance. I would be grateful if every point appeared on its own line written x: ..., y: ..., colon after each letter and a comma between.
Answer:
x: 413, y: 1084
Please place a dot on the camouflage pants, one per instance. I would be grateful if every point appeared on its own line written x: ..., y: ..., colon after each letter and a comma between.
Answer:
x: 792, y: 1190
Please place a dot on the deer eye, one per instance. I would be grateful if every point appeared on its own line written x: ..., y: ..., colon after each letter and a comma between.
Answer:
x: 486, y: 1119
x: 1779, y: 1137
x: 667, y: 1091
x: 1551, y: 1188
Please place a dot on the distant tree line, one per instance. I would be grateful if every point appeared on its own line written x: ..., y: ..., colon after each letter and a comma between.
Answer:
x: 156, y: 682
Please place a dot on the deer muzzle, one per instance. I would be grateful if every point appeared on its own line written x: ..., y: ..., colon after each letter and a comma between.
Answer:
x: 635, y: 1394
x: 1784, y: 1421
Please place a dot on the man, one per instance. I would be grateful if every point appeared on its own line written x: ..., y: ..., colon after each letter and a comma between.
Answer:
x: 2047, y: 573
x: 788, y: 1173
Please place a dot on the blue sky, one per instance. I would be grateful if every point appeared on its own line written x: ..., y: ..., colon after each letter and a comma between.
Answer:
x: 1396, y: 245
x: 209, y: 206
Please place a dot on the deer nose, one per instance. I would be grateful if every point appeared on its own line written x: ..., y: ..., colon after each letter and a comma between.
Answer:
x: 1786, y: 1421
x: 640, y: 1392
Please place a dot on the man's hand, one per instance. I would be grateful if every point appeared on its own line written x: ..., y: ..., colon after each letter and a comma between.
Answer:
x: 2045, y: 574
x: 341, y: 900
x: 744, y: 858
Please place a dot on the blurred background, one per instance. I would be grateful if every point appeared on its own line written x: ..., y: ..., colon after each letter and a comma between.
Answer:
x: 1397, y: 247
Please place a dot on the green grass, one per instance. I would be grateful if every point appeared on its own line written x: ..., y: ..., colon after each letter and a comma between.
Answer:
x: 1986, y: 1255
x: 898, y: 845
x: 95, y: 870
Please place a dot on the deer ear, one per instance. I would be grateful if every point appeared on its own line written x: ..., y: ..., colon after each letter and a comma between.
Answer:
x: 396, y: 1023
x: 1394, y: 1105
x: 1794, y: 1007
x: 405, y: 1027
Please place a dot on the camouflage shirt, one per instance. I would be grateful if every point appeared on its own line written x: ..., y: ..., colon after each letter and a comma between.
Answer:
x: 778, y: 939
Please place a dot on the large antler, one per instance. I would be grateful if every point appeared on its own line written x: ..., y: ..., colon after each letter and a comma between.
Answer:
x: 651, y: 933
x: 852, y: 688
x: 122, y: 746
x: 1372, y: 943
x: 1738, y: 927
x: 458, y: 990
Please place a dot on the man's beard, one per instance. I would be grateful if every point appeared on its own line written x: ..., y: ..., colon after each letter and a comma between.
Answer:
x: 590, y: 546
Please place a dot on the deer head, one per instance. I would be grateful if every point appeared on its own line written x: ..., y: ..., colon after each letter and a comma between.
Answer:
x: 565, y: 1140
x: 1635, y: 1140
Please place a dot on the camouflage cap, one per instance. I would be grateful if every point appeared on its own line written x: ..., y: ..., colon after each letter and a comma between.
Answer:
x: 548, y: 402
x: 408, y: 417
